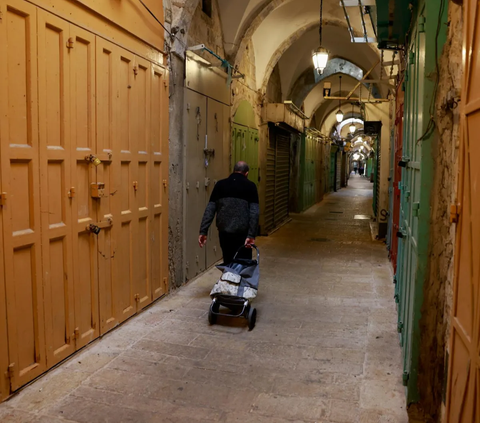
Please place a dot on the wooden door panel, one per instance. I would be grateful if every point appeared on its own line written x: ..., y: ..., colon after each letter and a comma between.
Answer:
x: 108, y: 206
x: 124, y: 173
x: 142, y: 170
x: 158, y: 183
x: 55, y: 175
x: 20, y: 183
x: 83, y: 174
x: 464, y: 367
x: 114, y: 73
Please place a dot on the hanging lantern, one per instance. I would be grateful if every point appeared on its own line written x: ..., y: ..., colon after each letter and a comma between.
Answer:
x: 339, y: 116
x: 352, y: 128
x: 320, y: 59
x: 320, y: 56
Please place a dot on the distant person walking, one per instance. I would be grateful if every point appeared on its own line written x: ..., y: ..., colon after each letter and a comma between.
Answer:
x: 235, y: 203
x: 361, y: 170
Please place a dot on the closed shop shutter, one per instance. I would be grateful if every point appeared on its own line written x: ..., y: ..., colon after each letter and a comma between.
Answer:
x: 282, y: 178
x: 270, y: 186
x: 278, y: 180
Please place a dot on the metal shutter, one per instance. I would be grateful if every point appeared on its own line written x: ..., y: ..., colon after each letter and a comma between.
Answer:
x: 270, y: 186
x: 282, y: 178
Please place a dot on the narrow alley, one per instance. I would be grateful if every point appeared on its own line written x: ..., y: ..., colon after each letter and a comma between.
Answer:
x: 325, y: 348
x: 144, y: 142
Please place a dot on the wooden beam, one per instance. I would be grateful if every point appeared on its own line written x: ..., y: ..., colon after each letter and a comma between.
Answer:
x: 364, y: 76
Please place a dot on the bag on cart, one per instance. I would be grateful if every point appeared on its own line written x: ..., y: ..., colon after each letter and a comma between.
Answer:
x: 239, y: 278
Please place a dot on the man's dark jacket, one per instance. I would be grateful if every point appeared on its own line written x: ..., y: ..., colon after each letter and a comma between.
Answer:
x: 235, y: 201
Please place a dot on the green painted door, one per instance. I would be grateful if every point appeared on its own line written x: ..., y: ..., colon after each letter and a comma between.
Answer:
x: 417, y: 179
x: 245, y: 148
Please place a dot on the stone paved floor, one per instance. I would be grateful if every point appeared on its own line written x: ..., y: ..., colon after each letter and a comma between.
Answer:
x: 324, y: 350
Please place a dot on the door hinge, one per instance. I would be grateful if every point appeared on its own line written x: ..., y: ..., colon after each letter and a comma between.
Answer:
x: 400, y: 327
x: 70, y: 43
x: 415, y: 209
x: 421, y: 24
x: 3, y: 199
x: 405, y: 378
x: 454, y: 213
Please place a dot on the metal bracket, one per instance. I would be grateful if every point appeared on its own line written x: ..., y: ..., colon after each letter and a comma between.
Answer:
x: 135, y: 185
x: 454, y: 213
x: 399, y: 327
x: 405, y: 378
x: 97, y: 189
x: 71, y: 192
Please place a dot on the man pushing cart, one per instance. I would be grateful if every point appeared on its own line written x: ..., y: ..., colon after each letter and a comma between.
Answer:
x: 234, y: 201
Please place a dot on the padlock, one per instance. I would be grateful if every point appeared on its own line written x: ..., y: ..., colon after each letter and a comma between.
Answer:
x: 94, y: 229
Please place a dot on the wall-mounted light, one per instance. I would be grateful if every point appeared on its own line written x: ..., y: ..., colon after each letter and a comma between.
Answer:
x: 320, y: 55
x: 327, y: 89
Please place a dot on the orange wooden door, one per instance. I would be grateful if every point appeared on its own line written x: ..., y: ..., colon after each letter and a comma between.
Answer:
x: 141, y: 173
x: 463, y: 395
x: 158, y: 182
x: 19, y: 155
x: 55, y: 175
x: 83, y: 173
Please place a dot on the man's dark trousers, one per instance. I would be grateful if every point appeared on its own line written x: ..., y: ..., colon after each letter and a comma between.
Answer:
x: 231, y: 243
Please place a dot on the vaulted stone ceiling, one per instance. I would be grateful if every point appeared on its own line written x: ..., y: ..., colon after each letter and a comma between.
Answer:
x: 285, y: 32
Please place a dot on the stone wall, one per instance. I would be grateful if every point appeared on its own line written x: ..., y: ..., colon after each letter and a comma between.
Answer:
x: 436, y: 310
x: 274, y: 87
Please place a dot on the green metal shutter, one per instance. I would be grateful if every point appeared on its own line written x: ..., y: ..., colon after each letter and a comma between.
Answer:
x: 282, y: 178
x: 270, y: 185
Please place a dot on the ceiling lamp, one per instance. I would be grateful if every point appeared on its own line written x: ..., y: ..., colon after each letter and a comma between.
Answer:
x: 320, y: 55
x: 339, y: 114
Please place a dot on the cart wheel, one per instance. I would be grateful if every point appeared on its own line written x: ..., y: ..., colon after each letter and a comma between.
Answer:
x: 214, y: 308
x: 252, y: 318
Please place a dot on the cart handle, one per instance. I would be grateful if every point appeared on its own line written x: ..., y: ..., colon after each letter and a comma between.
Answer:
x: 251, y: 245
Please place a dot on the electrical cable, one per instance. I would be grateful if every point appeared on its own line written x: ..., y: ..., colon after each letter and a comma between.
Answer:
x: 172, y: 36
x: 431, y: 123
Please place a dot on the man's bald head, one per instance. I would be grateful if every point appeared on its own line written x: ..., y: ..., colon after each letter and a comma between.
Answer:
x: 241, y: 167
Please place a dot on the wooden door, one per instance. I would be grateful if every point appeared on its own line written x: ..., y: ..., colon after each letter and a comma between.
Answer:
x: 19, y: 169
x: 84, y: 207
x: 463, y: 394
x: 55, y: 176
x: 141, y: 172
x: 158, y: 198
